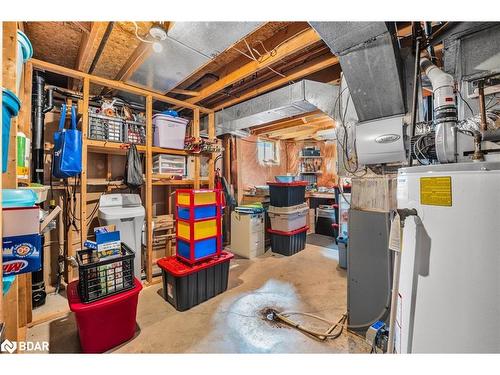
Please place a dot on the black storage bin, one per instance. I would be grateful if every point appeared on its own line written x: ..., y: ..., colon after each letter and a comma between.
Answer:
x: 100, y: 278
x: 286, y: 194
x: 325, y: 220
x: 185, y: 286
x: 311, y: 151
x: 288, y: 243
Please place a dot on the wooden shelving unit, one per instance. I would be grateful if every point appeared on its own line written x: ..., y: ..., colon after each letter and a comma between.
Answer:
x: 113, y: 148
x: 104, y: 147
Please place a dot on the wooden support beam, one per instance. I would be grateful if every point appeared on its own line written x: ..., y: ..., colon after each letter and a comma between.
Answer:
x: 211, y: 160
x: 312, y: 130
x: 88, y: 47
x: 295, y: 44
x: 9, y: 304
x: 149, y: 189
x: 282, y: 124
x: 296, y: 127
x: 184, y: 92
x: 117, y: 85
x: 83, y: 186
x: 197, y: 158
x: 296, y: 74
x: 140, y: 54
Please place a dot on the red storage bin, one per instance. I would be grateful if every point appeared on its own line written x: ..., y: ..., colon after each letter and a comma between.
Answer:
x: 105, y: 323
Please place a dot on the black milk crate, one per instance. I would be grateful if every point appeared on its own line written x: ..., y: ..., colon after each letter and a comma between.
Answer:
x: 288, y: 243
x: 100, y: 278
x: 105, y: 128
x: 135, y: 132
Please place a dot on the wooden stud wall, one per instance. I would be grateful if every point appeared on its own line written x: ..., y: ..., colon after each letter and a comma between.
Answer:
x: 110, y: 148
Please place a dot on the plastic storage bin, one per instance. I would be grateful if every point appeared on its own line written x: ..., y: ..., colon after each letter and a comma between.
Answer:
x: 189, y: 197
x: 170, y: 164
x: 104, y: 324
x: 285, y: 178
x: 187, y: 286
x: 326, y: 223
x: 196, y: 251
x: 105, y: 277
x: 342, y: 246
x: 10, y: 108
x: 105, y: 128
x: 199, y: 213
x: 287, y: 219
x: 199, y: 224
x: 169, y: 131
x: 197, y: 230
x: 288, y: 243
x: 284, y: 194
x: 135, y: 132
x: 18, y: 198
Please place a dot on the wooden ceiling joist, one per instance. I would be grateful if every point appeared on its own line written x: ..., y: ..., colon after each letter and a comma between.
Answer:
x: 299, y: 126
x: 88, y: 47
x: 116, y: 85
x: 327, y: 124
x: 134, y: 61
x: 140, y: 54
x: 295, y: 44
x: 282, y: 124
x: 309, y: 68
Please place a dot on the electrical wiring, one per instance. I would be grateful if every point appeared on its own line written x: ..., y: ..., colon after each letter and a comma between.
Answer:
x: 137, y: 34
x: 467, y: 104
x: 328, y: 334
x: 349, y: 163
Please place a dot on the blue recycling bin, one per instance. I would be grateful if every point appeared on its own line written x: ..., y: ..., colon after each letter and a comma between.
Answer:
x: 342, y: 246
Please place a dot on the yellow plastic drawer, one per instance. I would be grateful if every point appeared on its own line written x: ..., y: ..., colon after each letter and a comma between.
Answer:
x: 202, y: 229
x: 200, y: 198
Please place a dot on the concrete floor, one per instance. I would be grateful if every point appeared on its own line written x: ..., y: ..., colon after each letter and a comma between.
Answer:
x: 233, y: 322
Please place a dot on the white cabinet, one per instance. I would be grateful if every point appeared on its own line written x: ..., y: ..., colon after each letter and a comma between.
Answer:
x: 247, y: 234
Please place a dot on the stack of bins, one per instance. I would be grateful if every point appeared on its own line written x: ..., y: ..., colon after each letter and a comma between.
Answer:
x: 200, y: 269
x: 288, y: 214
x: 104, y: 299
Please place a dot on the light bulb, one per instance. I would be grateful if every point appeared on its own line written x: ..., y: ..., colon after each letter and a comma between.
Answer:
x: 157, y: 47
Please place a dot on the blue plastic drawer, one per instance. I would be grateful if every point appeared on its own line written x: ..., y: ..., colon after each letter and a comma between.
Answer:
x: 202, y: 248
x: 202, y: 212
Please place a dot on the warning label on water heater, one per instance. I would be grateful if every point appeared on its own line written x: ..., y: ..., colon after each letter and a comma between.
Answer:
x: 436, y: 191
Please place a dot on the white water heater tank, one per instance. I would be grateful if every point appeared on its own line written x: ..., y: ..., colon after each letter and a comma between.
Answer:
x: 449, y: 288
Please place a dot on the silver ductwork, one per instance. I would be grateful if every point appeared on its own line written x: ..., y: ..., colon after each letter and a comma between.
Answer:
x: 189, y: 46
x: 295, y: 99
x: 370, y: 60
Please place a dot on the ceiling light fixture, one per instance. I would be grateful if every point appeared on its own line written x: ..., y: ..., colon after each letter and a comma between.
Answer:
x: 157, y: 34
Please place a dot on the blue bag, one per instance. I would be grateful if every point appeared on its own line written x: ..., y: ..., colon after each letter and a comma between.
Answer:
x: 67, y: 159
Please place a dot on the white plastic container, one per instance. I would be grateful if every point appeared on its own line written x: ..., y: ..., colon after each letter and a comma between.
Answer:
x: 170, y: 164
x: 169, y: 131
x: 24, y: 53
x: 287, y: 219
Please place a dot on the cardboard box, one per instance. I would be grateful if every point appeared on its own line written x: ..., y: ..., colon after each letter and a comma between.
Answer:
x: 21, y: 254
x: 20, y: 221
